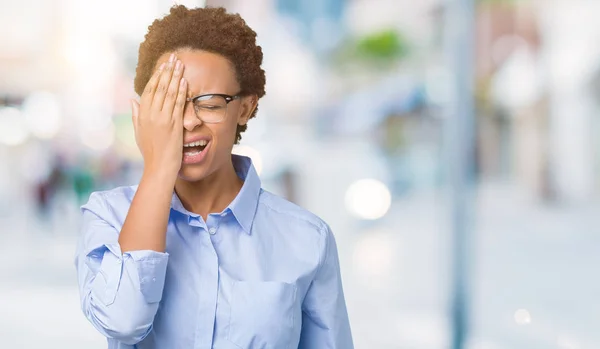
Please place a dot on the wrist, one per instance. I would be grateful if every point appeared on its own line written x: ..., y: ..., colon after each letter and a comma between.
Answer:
x: 159, y: 177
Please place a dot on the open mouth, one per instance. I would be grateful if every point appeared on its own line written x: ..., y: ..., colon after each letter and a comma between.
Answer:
x: 194, y: 148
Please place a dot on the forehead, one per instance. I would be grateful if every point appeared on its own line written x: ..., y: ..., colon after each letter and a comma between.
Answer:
x: 206, y: 72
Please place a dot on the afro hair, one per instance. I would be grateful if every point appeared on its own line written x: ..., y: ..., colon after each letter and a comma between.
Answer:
x: 207, y: 29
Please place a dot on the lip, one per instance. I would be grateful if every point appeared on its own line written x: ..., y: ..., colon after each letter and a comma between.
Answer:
x: 196, y: 159
x: 196, y: 139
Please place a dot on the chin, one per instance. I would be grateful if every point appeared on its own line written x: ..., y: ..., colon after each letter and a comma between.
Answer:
x: 193, y: 173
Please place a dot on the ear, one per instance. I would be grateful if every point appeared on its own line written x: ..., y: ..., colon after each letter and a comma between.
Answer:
x: 247, y: 107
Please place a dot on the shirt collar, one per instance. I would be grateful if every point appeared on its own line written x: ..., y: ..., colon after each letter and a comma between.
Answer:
x: 243, y: 207
x: 245, y: 203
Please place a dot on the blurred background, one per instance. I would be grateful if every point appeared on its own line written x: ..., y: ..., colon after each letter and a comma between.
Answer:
x: 354, y: 128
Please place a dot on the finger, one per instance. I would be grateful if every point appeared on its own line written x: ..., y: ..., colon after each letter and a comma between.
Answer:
x: 135, y: 112
x: 172, y: 92
x: 180, y: 102
x: 150, y: 89
x: 163, y: 84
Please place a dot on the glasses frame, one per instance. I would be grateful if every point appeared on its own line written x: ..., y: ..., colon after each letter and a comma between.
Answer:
x: 227, y: 98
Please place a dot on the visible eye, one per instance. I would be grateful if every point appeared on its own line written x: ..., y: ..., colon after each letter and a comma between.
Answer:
x: 209, y: 107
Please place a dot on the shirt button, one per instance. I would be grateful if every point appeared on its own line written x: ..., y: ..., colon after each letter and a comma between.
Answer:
x: 212, y: 231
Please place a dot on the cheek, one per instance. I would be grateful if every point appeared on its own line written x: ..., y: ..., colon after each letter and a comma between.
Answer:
x: 225, y: 134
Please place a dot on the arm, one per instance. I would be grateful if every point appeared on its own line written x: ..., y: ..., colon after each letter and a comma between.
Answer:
x: 159, y: 135
x: 122, y: 273
x: 145, y: 227
x: 325, y: 321
x: 119, y: 292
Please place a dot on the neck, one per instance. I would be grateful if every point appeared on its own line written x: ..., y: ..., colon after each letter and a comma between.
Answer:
x: 211, y: 194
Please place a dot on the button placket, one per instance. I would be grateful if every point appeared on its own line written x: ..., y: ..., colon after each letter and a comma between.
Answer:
x: 207, y: 302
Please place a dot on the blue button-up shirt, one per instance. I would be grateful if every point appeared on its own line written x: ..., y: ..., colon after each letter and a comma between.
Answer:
x: 263, y: 273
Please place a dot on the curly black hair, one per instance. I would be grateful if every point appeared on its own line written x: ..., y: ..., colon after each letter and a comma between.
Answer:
x: 207, y: 29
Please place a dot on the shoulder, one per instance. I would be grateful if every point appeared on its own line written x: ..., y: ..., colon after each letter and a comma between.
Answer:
x: 305, y: 233
x: 279, y: 209
x: 111, y: 205
x: 113, y: 196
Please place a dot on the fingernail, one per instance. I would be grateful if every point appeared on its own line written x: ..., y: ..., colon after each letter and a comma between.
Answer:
x: 162, y: 66
x: 182, y: 82
x: 178, y: 65
x: 171, y: 58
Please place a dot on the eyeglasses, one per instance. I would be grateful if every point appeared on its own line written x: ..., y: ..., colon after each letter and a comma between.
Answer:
x: 212, y: 108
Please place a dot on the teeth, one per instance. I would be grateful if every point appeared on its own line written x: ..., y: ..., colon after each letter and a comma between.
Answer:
x: 201, y: 143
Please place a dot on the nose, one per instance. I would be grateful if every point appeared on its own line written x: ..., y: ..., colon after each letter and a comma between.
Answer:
x: 190, y: 120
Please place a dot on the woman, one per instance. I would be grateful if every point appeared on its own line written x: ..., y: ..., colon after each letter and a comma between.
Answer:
x: 198, y: 255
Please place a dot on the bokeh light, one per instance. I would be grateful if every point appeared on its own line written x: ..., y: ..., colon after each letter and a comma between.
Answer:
x: 522, y: 317
x: 368, y: 199
x: 13, y: 130
x: 42, y: 114
x: 99, y: 139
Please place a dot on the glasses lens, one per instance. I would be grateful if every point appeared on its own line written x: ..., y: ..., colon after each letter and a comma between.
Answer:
x: 210, y: 108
